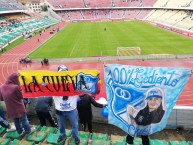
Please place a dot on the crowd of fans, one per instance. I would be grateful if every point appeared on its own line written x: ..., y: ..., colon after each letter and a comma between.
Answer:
x: 45, y: 61
x: 66, y: 107
x: 25, y: 60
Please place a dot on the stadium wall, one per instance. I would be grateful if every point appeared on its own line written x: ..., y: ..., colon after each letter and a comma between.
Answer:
x: 179, y: 117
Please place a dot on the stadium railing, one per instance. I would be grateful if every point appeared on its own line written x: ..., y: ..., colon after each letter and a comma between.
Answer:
x: 119, y: 58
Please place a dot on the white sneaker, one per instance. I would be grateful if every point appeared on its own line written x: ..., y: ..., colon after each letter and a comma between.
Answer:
x: 12, y: 128
x: 33, y: 129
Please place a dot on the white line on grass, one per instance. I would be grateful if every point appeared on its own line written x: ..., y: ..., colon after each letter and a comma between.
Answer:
x: 73, y: 47
x: 72, y: 50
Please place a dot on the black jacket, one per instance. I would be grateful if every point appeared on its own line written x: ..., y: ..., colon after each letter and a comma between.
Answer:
x: 85, y: 109
x: 144, y: 117
x: 43, y: 104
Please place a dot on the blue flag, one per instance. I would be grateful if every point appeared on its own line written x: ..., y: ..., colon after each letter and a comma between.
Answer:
x: 140, y: 99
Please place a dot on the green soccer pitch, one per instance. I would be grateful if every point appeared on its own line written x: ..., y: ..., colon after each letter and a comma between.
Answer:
x: 85, y: 39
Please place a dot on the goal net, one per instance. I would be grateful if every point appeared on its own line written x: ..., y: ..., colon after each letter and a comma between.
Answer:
x: 128, y: 51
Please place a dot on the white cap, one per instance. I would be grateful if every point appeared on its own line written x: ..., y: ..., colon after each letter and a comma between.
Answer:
x: 62, y: 68
x: 155, y: 92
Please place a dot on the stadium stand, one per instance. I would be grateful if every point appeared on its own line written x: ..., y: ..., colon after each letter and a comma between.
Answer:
x: 100, y: 3
x: 53, y: 3
x: 14, y: 29
x: 70, y: 4
x: 14, y: 22
x: 142, y: 13
x: 118, y: 3
x: 173, y: 3
x: 64, y: 15
x: 160, y: 3
x: 130, y: 14
x: 97, y: 3
x: 117, y: 14
x: 88, y: 14
x: 177, y: 3
x: 175, y: 18
x: 148, y: 3
x: 102, y: 14
x: 9, y: 32
x: 75, y: 15
x: 8, y: 5
x: 48, y: 135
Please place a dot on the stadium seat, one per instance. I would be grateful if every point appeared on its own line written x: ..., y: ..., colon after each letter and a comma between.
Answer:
x: 82, y: 141
x: 2, y: 130
x: 99, y: 136
x: 100, y: 142
x: 172, y: 142
x: 158, y: 142
x: 191, y: 142
x: 4, y: 141
x: 118, y: 140
x: 14, y: 135
x: 137, y: 141
x: 48, y: 129
x: 84, y: 135
x: 37, y: 136
x: 52, y: 139
x: 21, y: 142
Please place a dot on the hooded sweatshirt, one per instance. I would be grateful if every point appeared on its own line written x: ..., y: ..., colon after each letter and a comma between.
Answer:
x: 10, y: 93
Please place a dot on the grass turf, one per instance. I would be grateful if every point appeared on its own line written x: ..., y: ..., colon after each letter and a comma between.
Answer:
x: 86, y: 39
x: 13, y: 44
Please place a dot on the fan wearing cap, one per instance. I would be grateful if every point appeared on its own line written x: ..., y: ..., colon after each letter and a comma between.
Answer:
x: 66, y: 108
x: 152, y: 113
x: 62, y: 68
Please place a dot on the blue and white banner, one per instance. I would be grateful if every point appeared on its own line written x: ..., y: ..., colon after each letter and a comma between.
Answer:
x: 140, y: 99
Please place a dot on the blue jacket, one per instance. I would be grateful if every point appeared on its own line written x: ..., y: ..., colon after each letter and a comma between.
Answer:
x: 44, y: 104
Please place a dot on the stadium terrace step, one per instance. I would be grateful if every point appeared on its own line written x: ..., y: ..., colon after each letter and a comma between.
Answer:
x: 21, y: 142
x: 40, y: 134
x: 118, y: 140
x: 99, y: 136
x: 44, y: 144
x: 52, y: 137
x: 4, y: 141
x: 2, y: 131
x: 37, y: 137
x: 172, y: 142
x: 48, y: 129
x: 14, y: 135
x: 82, y: 141
x: 100, y: 142
x: 137, y: 141
x: 84, y: 135
x: 158, y: 142
x: 49, y: 135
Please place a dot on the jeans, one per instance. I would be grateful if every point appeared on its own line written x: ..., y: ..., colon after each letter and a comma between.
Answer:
x: 21, y: 123
x: 72, y: 116
x: 3, y: 122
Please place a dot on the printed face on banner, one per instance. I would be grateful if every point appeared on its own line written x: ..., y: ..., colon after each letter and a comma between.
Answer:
x: 151, y: 112
x: 140, y: 99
